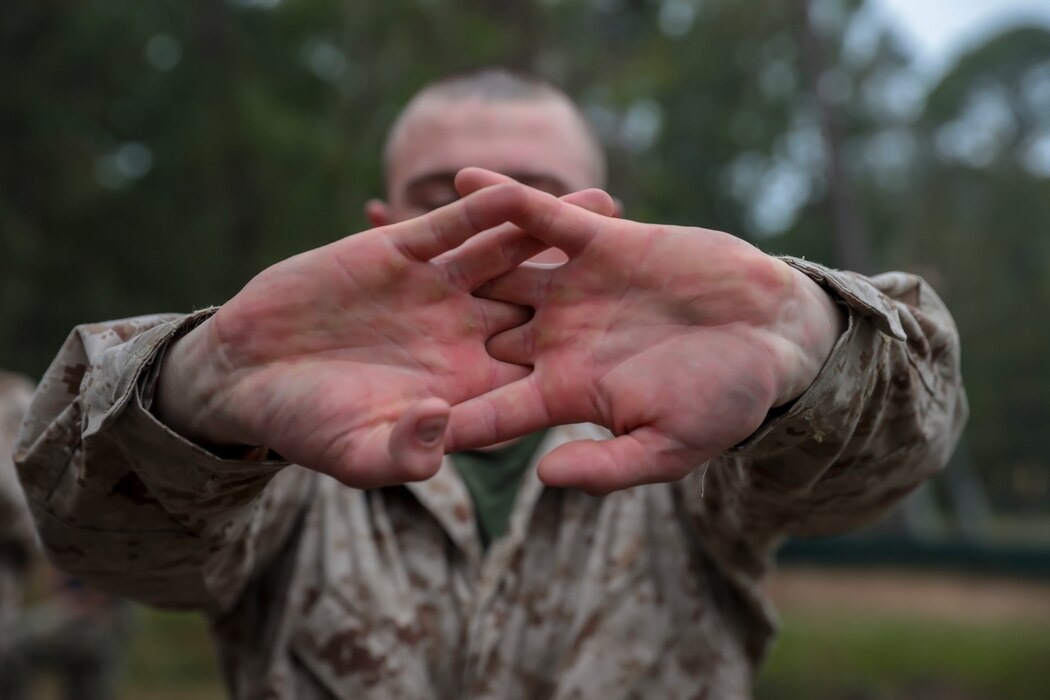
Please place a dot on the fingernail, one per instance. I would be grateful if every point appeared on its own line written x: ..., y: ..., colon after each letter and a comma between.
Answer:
x: 430, y: 431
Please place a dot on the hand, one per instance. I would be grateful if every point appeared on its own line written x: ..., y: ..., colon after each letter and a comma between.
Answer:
x: 678, y: 340
x: 345, y: 359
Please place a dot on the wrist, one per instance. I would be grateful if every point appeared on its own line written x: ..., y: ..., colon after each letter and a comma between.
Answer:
x: 814, y: 328
x: 187, y: 394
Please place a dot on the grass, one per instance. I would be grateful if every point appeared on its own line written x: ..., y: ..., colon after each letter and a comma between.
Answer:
x: 839, y: 654
x: 172, y: 658
x: 860, y: 656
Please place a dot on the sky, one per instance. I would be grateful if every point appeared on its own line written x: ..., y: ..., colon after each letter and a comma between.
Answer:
x: 939, y: 30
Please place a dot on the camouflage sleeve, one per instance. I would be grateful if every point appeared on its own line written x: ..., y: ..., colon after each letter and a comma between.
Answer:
x: 126, y: 504
x: 883, y: 415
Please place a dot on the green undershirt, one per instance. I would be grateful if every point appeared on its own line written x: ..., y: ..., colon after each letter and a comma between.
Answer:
x: 492, y: 478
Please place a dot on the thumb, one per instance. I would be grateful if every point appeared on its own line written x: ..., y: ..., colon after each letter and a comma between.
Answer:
x: 417, y: 441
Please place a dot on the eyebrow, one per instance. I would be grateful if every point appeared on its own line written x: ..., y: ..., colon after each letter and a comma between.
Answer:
x: 444, y: 177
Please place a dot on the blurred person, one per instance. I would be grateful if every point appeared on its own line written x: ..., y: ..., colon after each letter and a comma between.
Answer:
x: 659, y: 411
x: 17, y: 542
x: 77, y: 633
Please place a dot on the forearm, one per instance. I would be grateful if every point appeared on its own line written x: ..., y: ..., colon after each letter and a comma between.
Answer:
x: 883, y: 415
x: 123, y: 501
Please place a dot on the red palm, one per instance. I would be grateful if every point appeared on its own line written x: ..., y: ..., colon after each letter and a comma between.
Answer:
x: 679, y: 340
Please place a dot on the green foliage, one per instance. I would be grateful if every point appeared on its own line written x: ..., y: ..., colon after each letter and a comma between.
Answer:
x: 978, y: 223
x: 155, y: 155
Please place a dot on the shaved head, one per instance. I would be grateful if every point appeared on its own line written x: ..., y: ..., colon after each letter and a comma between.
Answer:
x: 499, y: 93
x: 513, y: 124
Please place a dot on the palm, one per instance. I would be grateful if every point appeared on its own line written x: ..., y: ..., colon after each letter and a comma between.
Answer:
x: 332, y: 361
x: 677, y: 340
x: 346, y: 359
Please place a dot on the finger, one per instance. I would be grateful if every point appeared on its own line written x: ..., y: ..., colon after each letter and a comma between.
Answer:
x: 596, y: 200
x: 505, y: 247
x: 470, y: 180
x: 643, y: 456
x: 498, y: 316
x: 525, y: 286
x: 489, y: 255
x: 505, y: 373
x: 509, y: 412
x: 427, y: 236
x: 516, y: 345
x: 555, y: 222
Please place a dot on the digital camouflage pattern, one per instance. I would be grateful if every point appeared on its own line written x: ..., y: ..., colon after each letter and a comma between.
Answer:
x: 17, y: 542
x: 320, y: 591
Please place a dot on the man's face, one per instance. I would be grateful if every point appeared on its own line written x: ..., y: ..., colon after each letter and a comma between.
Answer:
x: 540, y: 143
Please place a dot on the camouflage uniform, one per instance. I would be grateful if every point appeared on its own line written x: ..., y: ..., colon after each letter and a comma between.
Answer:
x: 17, y: 543
x: 321, y: 591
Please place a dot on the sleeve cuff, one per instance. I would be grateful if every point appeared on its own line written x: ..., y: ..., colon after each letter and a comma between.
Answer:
x: 170, y: 460
x: 831, y: 400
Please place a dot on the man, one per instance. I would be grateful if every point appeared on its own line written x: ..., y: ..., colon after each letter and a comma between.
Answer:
x: 748, y: 398
x: 76, y: 633
x: 520, y: 127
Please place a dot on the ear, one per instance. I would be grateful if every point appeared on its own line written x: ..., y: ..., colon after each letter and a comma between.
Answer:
x: 377, y: 212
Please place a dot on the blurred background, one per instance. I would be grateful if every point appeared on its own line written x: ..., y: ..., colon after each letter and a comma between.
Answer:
x: 155, y: 155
